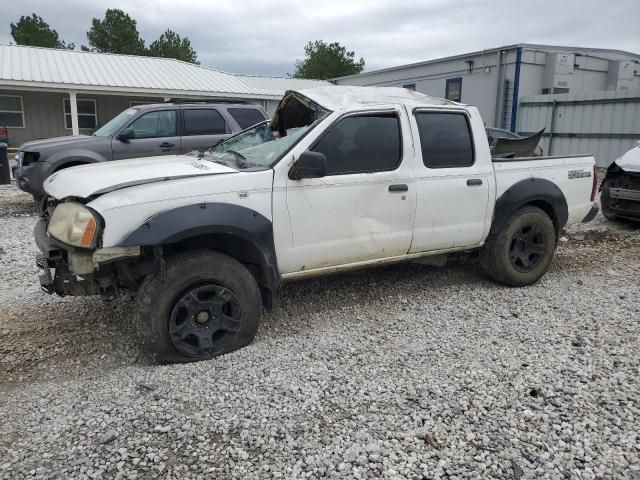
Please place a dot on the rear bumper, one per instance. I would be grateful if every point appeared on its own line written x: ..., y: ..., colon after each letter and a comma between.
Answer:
x: 592, y: 213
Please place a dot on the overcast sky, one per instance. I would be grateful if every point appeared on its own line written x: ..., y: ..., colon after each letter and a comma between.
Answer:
x: 265, y: 37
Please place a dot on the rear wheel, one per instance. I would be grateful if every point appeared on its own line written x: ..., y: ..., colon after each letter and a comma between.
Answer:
x: 520, y: 253
x: 206, y: 304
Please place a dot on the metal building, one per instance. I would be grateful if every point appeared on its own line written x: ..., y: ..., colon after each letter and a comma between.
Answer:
x: 49, y: 92
x: 503, y: 81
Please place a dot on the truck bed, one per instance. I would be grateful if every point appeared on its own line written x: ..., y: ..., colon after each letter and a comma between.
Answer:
x: 573, y: 174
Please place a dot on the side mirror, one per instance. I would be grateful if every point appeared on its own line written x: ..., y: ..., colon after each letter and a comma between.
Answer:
x: 126, y: 134
x: 309, y: 165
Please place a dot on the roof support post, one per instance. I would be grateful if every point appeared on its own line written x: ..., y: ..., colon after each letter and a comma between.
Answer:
x: 74, y: 113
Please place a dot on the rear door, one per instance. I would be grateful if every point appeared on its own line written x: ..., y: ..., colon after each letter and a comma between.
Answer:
x: 453, y: 182
x: 155, y: 133
x: 202, y: 127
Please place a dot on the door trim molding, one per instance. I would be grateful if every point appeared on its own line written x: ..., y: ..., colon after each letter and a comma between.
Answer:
x: 316, y: 272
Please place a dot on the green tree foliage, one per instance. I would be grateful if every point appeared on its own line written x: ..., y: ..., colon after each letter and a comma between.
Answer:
x: 35, y: 32
x: 170, y: 45
x: 327, y: 60
x: 116, y: 33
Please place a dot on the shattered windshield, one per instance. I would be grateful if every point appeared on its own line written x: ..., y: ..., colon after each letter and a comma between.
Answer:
x: 258, y: 146
x: 262, y: 145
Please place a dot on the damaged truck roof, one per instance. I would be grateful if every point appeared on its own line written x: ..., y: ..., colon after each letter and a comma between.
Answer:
x: 346, y: 96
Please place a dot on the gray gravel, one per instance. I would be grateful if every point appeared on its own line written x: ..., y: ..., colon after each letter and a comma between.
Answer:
x: 402, y: 372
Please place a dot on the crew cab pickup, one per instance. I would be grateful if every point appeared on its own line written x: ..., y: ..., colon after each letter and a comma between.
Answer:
x: 340, y: 178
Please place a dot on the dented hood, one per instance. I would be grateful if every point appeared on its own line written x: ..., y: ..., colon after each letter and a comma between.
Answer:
x: 630, y: 161
x: 86, y: 180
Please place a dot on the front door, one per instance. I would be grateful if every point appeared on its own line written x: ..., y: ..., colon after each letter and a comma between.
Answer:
x: 364, y: 208
x: 453, y: 181
x: 155, y: 133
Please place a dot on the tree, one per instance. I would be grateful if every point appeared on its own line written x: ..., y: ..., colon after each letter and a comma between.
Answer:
x: 170, y: 45
x: 327, y: 60
x: 117, y: 33
x: 35, y: 32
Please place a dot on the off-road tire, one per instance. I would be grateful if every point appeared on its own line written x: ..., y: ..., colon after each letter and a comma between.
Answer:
x: 159, y: 294
x: 496, y: 255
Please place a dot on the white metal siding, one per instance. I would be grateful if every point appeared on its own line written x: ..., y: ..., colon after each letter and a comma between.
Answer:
x: 606, y: 128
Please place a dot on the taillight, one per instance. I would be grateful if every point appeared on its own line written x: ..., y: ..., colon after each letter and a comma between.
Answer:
x: 594, y: 188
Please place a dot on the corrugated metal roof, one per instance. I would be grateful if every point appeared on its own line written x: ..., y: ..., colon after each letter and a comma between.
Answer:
x: 69, y: 69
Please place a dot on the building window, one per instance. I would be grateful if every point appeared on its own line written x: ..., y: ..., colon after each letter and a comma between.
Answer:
x: 410, y: 86
x: 87, y: 116
x: 453, y: 90
x: 11, y: 111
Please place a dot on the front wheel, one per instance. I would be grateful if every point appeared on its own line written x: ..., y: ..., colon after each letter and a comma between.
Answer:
x: 520, y: 253
x: 204, y: 305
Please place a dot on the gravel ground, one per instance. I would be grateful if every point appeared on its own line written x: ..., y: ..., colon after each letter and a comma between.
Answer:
x: 402, y: 372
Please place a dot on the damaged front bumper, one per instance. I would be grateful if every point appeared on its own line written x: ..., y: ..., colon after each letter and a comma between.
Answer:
x: 56, y: 276
x: 78, y: 272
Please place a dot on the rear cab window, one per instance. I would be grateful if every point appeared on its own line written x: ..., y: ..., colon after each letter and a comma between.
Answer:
x: 445, y: 139
x: 246, y: 117
x: 203, y: 121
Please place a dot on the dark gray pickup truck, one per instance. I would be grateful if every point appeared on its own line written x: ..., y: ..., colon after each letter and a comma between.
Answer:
x: 141, y: 131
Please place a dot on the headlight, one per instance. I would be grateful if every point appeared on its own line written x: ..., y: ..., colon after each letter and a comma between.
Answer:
x: 25, y: 158
x: 73, y: 224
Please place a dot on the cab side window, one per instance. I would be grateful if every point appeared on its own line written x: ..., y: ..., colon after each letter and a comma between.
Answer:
x: 155, y: 124
x: 445, y: 139
x: 362, y: 144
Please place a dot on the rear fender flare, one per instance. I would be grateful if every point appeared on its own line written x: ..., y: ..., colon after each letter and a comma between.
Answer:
x: 538, y: 192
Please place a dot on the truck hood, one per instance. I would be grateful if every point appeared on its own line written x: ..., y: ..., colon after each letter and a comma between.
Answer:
x: 85, y: 181
x: 630, y: 161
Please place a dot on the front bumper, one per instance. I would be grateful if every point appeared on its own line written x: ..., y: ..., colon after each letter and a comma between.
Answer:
x: 29, y: 178
x: 56, y: 277
x: 625, y: 203
x: 592, y: 213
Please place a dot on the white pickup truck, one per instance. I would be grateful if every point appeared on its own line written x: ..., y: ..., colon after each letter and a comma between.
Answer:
x: 340, y: 178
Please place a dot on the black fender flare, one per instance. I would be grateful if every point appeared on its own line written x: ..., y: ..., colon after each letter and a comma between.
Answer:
x: 233, y: 221
x: 534, y: 191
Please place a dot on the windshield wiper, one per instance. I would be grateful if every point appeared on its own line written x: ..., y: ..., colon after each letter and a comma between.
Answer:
x: 240, y: 159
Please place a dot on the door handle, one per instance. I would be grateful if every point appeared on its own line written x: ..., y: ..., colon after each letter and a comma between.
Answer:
x: 474, y: 182
x: 400, y: 187
x: 167, y: 145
